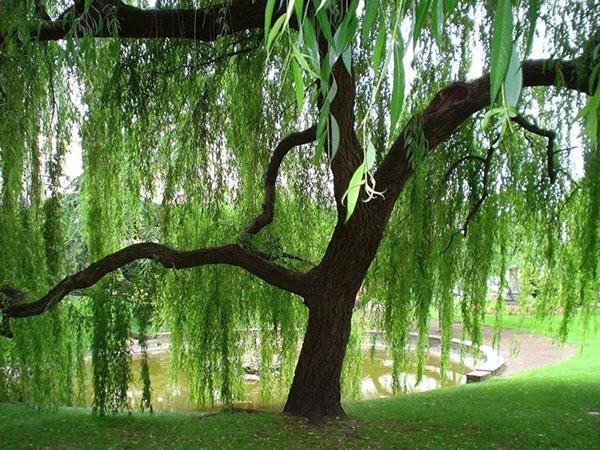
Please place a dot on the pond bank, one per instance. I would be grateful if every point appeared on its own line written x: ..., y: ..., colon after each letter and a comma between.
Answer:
x: 522, y: 350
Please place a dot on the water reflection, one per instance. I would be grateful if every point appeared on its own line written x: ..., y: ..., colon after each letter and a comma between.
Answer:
x: 376, y: 382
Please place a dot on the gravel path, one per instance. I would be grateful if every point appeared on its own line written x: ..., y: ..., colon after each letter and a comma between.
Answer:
x: 522, y: 350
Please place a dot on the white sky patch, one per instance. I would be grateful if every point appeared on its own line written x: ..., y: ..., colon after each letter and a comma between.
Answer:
x: 73, y: 166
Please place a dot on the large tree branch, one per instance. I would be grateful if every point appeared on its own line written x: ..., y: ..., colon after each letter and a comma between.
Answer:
x: 204, y: 24
x: 234, y: 255
x: 456, y: 103
x: 283, y: 148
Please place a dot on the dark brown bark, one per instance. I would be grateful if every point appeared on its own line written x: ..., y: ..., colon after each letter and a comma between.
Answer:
x: 233, y: 255
x: 202, y: 24
x: 315, y: 391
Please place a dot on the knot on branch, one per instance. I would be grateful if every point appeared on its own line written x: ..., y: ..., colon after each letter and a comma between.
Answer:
x: 456, y: 93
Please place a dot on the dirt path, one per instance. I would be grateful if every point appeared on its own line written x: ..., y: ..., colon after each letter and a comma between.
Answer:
x: 522, y: 350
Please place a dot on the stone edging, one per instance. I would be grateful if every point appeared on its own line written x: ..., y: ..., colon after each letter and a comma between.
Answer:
x: 490, y: 363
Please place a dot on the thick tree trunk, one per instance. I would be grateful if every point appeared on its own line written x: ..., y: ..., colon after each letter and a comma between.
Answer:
x: 315, y: 392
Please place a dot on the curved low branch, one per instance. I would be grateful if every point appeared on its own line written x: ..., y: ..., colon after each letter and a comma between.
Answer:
x: 233, y: 255
x: 459, y: 101
x: 203, y: 24
x: 283, y: 148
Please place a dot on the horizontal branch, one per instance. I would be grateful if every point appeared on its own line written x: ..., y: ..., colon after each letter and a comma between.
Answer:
x: 203, y: 24
x: 233, y: 255
x: 283, y: 148
x: 453, y: 105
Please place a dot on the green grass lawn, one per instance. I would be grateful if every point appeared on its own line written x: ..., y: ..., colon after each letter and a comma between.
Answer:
x: 543, y: 408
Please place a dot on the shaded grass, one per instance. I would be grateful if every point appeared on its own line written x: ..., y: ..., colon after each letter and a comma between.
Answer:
x: 547, y: 407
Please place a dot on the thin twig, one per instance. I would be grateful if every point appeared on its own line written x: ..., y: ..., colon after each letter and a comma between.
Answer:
x: 458, y: 162
x: 487, y: 163
x: 549, y: 134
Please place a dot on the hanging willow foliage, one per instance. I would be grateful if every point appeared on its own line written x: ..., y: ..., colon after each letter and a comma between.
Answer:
x: 176, y: 131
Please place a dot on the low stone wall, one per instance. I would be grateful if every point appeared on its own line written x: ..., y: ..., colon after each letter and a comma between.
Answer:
x: 482, y: 361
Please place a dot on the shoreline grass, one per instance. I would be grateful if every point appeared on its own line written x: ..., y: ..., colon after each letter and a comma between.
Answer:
x: 549, y: 407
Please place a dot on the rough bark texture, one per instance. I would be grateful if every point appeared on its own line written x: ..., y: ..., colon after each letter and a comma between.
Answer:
x: 315, y: 391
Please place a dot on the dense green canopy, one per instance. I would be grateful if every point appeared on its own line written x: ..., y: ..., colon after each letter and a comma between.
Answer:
x: 176, y: 135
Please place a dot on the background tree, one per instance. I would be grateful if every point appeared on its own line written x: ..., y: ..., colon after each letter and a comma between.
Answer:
x: 447, y: 183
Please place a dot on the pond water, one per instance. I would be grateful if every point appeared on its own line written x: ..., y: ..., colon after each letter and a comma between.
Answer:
x: 376, y: 382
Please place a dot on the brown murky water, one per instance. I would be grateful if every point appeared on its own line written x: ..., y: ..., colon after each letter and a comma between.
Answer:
x: 376, y: 382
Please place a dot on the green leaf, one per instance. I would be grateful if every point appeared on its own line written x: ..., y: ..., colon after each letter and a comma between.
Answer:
x: 371, y: 154
x: 532, y: 16
x: 274, y: 31
x: 438, y: 21
x: 301, y: 60
x: 325, y: 26
x: 398, y: 83
x: 298, y: 84
x: 379, y: 45
x: 322, y: 123
x: 321, y: 131
x: 345, y: 33
x: 353, y: 190
x: 270, y: 8
x: 331, y: 93
x: 502, y: 45
x: 371, y: 10
x: 347, y: 58
x: 420, y: 13
x: 321, y: 5
x: 299, y: 6
x: 335, y: 136
x: 310, y: 41
x: 490, y: 115
x: 289, y: 12
x: 514, y: 79
x: 319, y: 150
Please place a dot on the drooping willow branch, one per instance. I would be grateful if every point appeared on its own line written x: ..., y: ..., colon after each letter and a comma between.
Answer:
x: 485, y: 192
x: 549, y: 134
x: 209, y: 60
x: 234, y: 255
x: 283, y: 148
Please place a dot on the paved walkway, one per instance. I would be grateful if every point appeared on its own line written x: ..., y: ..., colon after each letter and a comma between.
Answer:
x: 522, y: 350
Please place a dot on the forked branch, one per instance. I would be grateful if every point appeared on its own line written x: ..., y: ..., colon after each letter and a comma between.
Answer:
x: 485, y: 192
x: 455, y: 104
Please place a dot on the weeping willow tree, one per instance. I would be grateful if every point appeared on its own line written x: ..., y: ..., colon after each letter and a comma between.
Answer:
x: 384, y: 175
